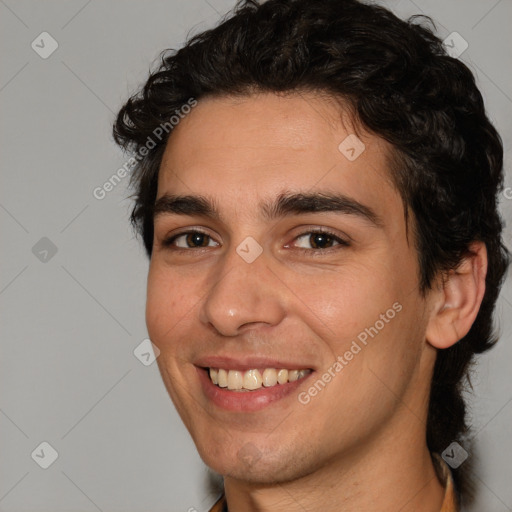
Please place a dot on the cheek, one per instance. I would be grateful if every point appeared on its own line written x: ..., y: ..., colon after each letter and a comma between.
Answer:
x: 350, y: 299
x: 368, y: 305
x: 166, y: 304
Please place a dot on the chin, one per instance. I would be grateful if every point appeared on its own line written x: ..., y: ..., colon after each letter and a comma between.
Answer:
x: 251, y: 466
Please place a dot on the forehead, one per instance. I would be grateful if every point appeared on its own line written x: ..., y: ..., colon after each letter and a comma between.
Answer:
x: 246, y: 150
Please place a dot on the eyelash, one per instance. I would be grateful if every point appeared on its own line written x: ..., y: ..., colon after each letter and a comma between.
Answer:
x: 168, y: 243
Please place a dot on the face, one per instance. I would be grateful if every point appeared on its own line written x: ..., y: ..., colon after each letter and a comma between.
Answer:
x: 281, y: 245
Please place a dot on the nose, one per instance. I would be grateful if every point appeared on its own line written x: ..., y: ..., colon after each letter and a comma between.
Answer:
x: 243, y: 294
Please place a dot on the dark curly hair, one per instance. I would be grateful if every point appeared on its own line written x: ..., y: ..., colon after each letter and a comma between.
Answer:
x: 401, y: 85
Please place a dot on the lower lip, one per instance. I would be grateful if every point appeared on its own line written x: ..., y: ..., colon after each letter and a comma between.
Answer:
x: 246, y: 401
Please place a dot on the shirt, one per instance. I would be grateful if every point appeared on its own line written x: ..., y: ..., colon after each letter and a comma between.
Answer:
x: 449, y: 502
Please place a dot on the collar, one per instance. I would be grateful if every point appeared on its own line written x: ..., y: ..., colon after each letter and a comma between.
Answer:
x: 450, y: 502
x: 220, y: 505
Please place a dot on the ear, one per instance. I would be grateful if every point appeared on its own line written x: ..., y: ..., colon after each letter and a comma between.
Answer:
x: 456, y: 302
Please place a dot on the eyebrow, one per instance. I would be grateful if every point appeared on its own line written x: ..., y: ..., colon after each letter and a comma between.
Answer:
x: 283, y: 205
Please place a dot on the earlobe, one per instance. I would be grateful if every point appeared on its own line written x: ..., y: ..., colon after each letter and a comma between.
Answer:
x: 456, y: 302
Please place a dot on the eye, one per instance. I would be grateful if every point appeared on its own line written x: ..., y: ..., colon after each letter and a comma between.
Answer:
x: 309, y: 241
x: 190, y: 240
x: 319, y: 240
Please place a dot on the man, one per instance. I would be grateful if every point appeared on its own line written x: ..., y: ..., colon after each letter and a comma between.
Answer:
x: 316, y: 188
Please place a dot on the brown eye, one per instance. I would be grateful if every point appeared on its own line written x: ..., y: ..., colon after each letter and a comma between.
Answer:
x: 190, y: 240
x: 318, y: 240
x: 197, y: 240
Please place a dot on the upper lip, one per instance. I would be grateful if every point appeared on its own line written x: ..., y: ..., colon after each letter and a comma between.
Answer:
x: 247, y: 363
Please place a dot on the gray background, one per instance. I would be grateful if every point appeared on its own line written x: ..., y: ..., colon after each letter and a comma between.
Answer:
x: 71, y: 320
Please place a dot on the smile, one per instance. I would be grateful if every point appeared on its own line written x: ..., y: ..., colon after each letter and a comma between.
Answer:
x: 251, y: 380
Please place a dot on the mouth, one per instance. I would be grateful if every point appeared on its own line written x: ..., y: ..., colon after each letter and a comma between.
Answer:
x: 254, y: 379
x: 250, y: 389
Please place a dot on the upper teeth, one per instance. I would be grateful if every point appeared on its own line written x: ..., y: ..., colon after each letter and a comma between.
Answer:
x: 254, y: 379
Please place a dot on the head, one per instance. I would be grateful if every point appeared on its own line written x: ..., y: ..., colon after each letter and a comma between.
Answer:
x: 267, y: 105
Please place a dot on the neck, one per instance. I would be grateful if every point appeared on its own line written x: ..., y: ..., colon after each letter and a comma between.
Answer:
x: 394, y: 473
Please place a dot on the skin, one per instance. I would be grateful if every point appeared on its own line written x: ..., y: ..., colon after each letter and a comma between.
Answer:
x: 359, y: 444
